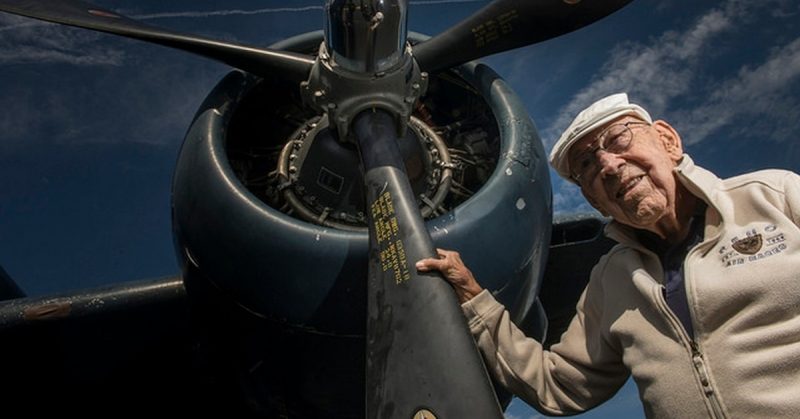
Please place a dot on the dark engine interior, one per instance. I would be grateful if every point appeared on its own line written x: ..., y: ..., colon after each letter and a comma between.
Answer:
x: 286, y: 155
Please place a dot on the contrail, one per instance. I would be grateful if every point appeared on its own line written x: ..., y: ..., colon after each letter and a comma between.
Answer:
x: 227, y: 12
x: 239, y: 12
x: 423, y: 3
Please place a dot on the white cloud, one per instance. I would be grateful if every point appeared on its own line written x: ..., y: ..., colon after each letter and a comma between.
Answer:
x: 672, y: 74
x: 567, y: 197
x: 670, y: 70
x: 24, y: 41
x: 654, y: 73
x: 759, y: 92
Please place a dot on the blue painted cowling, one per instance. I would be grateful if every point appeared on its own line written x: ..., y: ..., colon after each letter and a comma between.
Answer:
x: 313, y: 276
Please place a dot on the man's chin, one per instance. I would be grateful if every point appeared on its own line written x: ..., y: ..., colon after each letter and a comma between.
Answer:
x: 643, y: 216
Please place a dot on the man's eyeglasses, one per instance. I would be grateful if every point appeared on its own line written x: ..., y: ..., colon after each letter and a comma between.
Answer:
x: 615, y: 139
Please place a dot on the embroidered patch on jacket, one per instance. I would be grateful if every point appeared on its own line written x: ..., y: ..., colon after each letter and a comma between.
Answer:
x: 752, y: 245
x: 748, y: 245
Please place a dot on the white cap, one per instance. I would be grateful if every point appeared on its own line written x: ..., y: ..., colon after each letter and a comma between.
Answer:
x: 597, y: 114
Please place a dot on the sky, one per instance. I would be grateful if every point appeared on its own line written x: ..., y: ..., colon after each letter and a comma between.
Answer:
x: 91, y: 124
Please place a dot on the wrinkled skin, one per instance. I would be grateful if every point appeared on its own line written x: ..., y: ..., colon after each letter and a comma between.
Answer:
x: 454, y: 271
x: 638, y: 187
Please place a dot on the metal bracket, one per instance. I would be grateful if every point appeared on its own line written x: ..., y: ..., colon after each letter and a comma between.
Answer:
x: 343, y: 94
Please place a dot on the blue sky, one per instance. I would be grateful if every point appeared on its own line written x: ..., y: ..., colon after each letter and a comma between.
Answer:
x: 91, y: 124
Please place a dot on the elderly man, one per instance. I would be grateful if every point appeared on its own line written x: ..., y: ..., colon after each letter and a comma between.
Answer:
x: 699, y: 301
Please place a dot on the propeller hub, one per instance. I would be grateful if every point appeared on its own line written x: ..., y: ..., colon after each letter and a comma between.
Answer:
x: 343, y: 94
x: 366, y: 36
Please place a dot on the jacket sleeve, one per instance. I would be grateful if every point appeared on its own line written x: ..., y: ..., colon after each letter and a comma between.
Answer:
x: 792, y: 192
x: 580, y: 372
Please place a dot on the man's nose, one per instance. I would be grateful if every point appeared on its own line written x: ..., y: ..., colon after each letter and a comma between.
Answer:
x: 610, y: 163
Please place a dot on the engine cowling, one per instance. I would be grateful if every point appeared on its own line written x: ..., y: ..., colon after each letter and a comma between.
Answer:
x: 237, y: 227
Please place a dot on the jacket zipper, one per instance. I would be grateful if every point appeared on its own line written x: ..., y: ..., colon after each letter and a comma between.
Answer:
x: 697, y: 356
x: 708, y: 390
x: 698, y: 361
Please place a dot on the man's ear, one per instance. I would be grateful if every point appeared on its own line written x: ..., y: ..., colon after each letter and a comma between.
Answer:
x: 670, y: 139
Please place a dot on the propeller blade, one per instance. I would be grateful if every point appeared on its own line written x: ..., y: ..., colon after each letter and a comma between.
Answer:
x: 421, y: 358
x: 507, y: 24
x: 259, y: 61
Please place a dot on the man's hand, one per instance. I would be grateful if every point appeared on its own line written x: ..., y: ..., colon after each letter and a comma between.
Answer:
x: 454, y: 271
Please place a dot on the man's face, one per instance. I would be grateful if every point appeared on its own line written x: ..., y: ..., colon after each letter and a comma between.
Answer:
x: 635, y: 186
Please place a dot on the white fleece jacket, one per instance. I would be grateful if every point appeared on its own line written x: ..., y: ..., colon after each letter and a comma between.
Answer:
x: 743, y: 288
